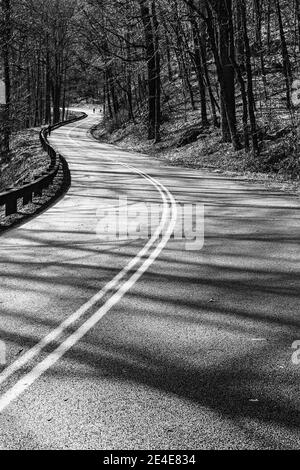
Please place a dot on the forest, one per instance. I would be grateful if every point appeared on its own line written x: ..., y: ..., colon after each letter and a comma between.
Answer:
x: 149, y: 223
x: 224, y: 68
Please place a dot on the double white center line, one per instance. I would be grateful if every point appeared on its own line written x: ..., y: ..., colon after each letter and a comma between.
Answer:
x: 118, y: 287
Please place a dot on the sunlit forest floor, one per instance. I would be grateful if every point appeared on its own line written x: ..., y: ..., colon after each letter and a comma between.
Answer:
x: 278, y: 164
x: 27, y: 160
x: 209, y: 152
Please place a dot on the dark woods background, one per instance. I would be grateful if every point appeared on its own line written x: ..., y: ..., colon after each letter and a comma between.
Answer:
x: 234, y: 61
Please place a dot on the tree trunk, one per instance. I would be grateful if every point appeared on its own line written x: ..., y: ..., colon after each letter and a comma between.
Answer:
x: 199, y: 69
x: 153, y: 65
x: 56, y: 92
x: 297, y: 12
x: 6, y: 117
x: 249, y: 80
x: 258, y: 14
x: 224, y: 12
x: 287, y: 70
x: 48, y: 91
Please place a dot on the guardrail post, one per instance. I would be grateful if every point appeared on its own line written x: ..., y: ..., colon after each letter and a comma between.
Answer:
x: 38, y: 192
x: 45, y: 182
x: 27, y: 198
x: 11, y: 205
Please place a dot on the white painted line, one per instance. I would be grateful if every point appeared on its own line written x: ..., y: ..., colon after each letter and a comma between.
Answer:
x: 25, y: 382
x: 52, y: 358
x: 57, y: 332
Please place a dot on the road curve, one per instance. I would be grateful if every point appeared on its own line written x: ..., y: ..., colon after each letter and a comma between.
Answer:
x: 142, y: 344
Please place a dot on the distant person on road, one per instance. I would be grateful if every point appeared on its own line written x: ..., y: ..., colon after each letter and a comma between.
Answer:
x: 49, y: 130
x: 94, y: 110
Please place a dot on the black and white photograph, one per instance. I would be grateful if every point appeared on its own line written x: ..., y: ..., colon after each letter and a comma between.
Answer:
x: 149, y: 229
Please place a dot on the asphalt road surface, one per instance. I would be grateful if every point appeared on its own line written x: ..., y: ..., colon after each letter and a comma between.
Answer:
x: 147, y: 342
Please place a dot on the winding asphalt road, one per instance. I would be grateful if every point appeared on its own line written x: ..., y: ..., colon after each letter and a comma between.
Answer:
x: 141, y: 343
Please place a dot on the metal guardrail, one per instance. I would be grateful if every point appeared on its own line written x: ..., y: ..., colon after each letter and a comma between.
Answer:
x: 10, y: 197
